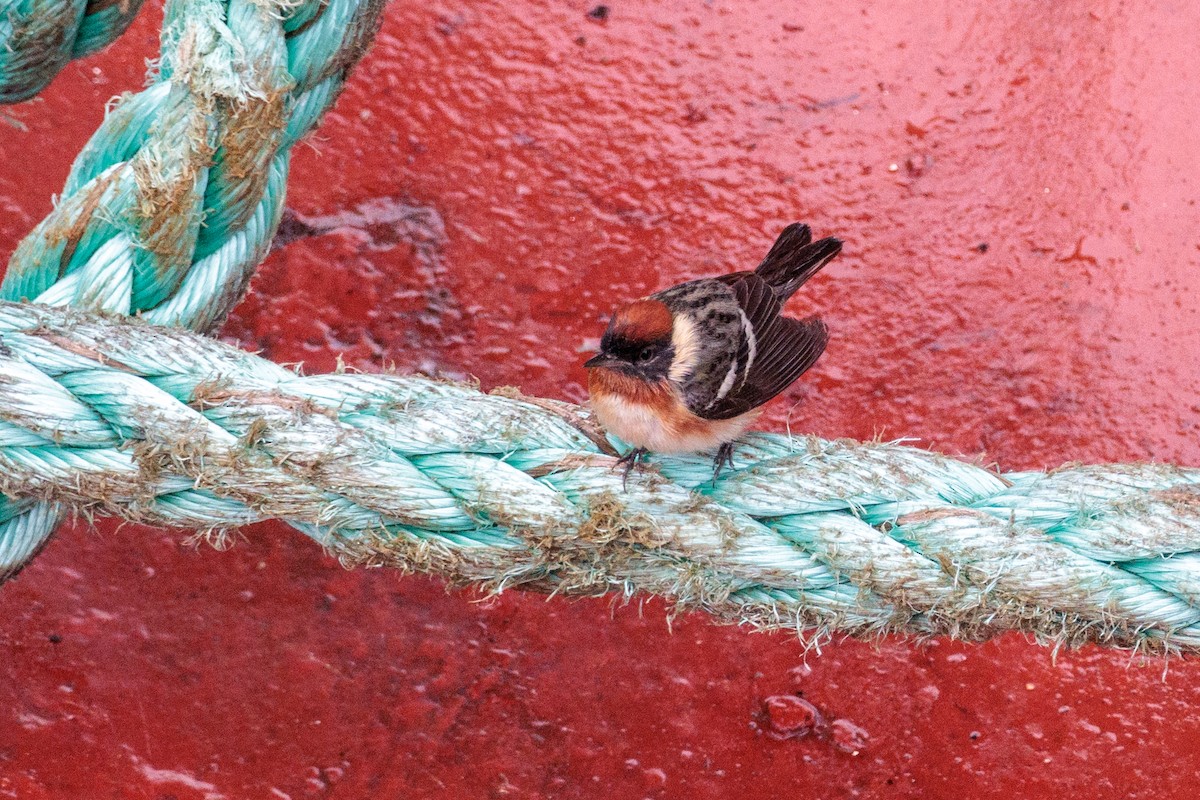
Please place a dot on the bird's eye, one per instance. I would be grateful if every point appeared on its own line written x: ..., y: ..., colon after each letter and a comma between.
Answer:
x: 646, y: 354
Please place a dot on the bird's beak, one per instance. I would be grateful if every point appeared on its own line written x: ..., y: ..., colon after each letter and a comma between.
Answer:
x: 601, y: 360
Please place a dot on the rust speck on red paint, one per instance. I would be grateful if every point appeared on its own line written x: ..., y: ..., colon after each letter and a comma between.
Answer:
x: 496, y: 179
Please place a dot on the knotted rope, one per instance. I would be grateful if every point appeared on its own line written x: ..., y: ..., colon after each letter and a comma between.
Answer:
x: 162, y: 426
x: 39, y: 37
x: 175, y: 199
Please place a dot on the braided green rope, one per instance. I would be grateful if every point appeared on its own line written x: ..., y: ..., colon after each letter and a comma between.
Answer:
x: 39, y: 37
x: 161, y: 426
x: 175, y: 199
x: 172, y: 204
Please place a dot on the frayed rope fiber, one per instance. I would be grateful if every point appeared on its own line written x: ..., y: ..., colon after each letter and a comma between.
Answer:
x: 174, y: 201
x: 109, y: 415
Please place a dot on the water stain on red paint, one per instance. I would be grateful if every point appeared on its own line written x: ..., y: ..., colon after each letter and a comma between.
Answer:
x: 496, y: 178
x: 790, y: 716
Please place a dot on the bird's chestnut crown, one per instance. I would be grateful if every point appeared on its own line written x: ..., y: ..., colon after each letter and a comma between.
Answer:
x: 638, y: 341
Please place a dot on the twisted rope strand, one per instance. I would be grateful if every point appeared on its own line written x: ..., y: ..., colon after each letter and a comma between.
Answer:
x: 174, y: 201
x: 157, y: 425
x: 39, y: 37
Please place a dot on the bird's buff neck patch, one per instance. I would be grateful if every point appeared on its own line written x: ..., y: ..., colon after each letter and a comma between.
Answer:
x: 687, y: 348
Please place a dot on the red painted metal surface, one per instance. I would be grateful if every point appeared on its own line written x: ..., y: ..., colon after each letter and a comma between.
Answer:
x: 1017, y: 188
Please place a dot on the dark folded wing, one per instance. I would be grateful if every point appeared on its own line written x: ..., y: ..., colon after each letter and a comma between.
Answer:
x: 755, y: 297
x: 760, y: 309
x: 784, y: 351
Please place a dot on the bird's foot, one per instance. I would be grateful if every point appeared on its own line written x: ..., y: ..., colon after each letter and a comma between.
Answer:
x: 724, y: 459
x: 629, y: 461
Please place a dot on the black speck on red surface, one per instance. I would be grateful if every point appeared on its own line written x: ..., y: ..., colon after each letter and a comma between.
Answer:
x: 497, y: 176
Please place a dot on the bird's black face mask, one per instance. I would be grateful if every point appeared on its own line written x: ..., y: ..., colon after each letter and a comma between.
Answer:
x: 648, y: 360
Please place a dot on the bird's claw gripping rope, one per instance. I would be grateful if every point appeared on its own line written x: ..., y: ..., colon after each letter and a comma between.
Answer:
x: 628, y: 462
x: 724, y: 458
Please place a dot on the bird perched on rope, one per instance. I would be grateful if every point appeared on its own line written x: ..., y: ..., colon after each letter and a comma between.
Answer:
x: 688, y: 368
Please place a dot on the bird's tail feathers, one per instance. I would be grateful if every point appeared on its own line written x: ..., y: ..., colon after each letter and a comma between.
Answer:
x: 794, y: 258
